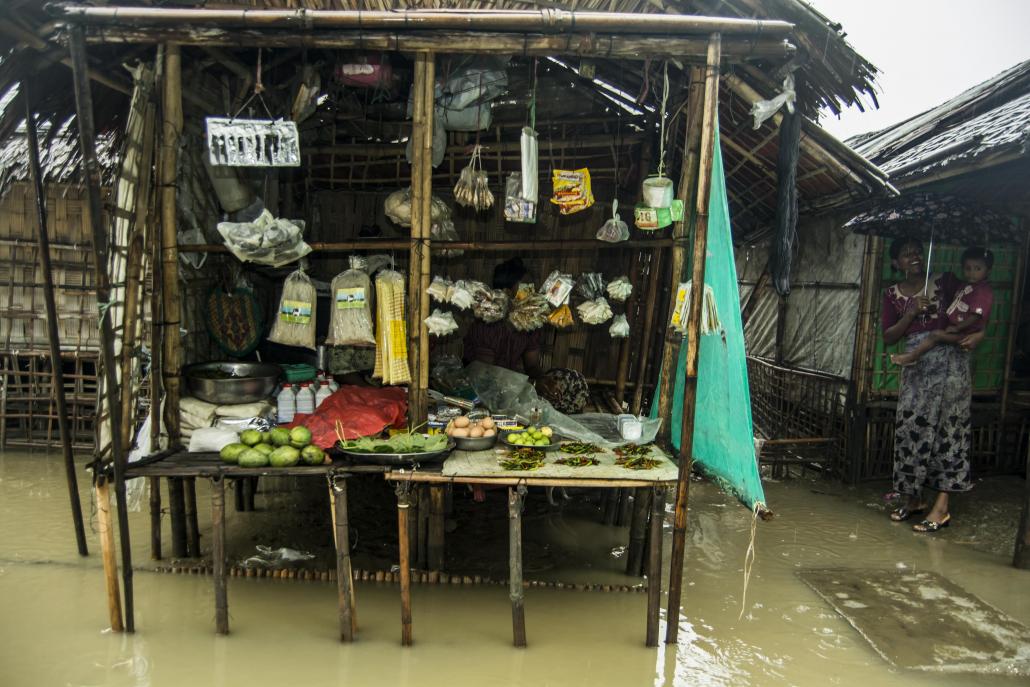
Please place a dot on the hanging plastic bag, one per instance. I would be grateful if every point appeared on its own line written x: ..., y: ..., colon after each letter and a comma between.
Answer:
x: 439, y: 288
x: 614, y: 230
x: 619, y: 328
x: 397, y: 207
x: 441, y: 323
x: 562, y: 317
x: 530, y: 165
x: 267, y: 240
x: 391, y: 363
x: 596, y: 311
x: 571, y: 190
x: 350, y: 323
x: 444, y: 231
x: 529, y: 310
x: 461, y: 295
x: 590, y: 285
x: 489, y: 305
x: 620, y: 288
x: 473, y: 186
x: 557, y: 287
x: 517, y: 208
x: 295, y: 320
x: 710, y: 323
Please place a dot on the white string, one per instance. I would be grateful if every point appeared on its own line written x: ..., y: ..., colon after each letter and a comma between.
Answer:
x: 749, y: 560
x: 665, y: 100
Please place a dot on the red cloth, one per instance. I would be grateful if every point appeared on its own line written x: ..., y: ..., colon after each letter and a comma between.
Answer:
x: 942, y: 291
x: 972, y: 299
x: 361, y: 411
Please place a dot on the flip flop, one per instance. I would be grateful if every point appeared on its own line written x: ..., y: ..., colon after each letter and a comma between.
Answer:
x: 929, y: 526
x: 902, y: 514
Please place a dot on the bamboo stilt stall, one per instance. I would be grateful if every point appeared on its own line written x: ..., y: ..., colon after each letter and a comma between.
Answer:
x: 84, y: 116
x: 680, y: 232
x: 699, y: 254
x: 53, y: 330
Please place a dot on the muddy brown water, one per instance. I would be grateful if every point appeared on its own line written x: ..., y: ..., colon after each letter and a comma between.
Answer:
x: 53, y: 612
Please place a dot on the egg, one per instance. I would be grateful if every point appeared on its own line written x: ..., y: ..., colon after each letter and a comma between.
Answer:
x: 462, y: 432
x: 476, y: 432
x: 461, y: 422
x: 489, y: 432
x: 488, y: 423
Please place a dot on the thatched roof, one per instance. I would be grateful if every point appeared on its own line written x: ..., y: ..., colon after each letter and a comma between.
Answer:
x: 833, y: 75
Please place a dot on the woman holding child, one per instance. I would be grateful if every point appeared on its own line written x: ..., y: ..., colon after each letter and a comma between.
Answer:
x: 940, y: 319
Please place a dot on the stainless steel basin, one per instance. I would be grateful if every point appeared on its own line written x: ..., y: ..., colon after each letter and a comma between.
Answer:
x: 228, y: 382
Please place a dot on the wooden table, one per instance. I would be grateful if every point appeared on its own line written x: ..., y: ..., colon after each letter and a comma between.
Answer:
x: 180, y: 464
x: 517, y: 486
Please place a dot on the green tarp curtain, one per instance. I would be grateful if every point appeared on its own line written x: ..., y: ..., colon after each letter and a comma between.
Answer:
x: 724, y: 445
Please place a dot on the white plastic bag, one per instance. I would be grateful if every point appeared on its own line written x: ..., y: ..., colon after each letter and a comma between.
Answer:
x: 614, y: 230
x: 620, y: 288
x: 619, y: 328
x: 441, y: 323
x: 211, y: 439
x: 530, y: 164
x: 517, y: 208
x: 295, y: 320
x: 350, y: 323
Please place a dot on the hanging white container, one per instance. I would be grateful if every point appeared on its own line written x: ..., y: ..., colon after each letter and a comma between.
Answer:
x: 658, y: 191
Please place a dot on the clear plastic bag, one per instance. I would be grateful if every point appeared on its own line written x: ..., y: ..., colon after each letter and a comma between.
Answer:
x: 295, y: 320
x: 614, y: 230
x: 596, y: 311
x: 444, y: 231
x: 529, y: 310
x: 590, y: 285
x: 517, y: 208
x: 620, y: 288
x: 441, y: 323
x: 350, y: 323
x: 557, y: 287
x: 439, y: 290
x: 461, y: 295
x: 489, y: 305
x: 266, y: 241
x: 619, y: 328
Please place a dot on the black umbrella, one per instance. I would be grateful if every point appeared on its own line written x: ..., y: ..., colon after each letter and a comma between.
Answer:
x: 930, y: 216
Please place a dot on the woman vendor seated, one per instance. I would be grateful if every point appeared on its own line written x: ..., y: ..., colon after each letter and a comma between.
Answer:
x: 499, y: 343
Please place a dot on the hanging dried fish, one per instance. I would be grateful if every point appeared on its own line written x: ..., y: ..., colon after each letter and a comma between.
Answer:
x: 473, y: 187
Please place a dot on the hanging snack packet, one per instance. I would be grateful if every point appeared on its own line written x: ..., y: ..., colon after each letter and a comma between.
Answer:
x: 460, y: 294
x: 350, y: 323
x: 489, y: 305
x: 620, y: 289
x: 295, y: 321
x: 595, y: 311
x: 441, y: 323
x: 557, y: 288
x: 391, y: 363
x: 619, y: 328
x: 571, y: 190
x: 529, y: 311
x: 517, y: 208
x: 562, y: 317
x: 590, y: 285
x: 439, y: 289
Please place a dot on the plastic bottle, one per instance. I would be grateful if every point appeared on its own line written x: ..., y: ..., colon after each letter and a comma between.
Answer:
x: 305, y: 399
x: 323, y: 393
x: 333, y: 386
x: 286, y: 401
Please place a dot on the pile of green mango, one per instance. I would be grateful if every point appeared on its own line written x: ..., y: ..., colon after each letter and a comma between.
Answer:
x: 279, y: 448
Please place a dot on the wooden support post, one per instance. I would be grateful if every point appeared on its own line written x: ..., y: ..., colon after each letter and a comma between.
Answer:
x: 1018, y: 288
x: 680, y: 232
x: 699, y: 253
x: 218, y: 555
x: 192, y: 528
x: 650, y: 307
x: 625, y: 506
x: 171, y: 129
x: 611, y: 506
x: 155, y: 518
x: 53, y: 331
x: 239, y: 484
x: 420, y: 532
x: 435, y: 545
x: 91, y: 167
x: 344, y: 576
x: 638, y: 531
x: 1021, y: 557
x: 516, y: 497
x: 404, y: 560
x: 177, y: 516
x: 654, y: 568
x: 106, y: 532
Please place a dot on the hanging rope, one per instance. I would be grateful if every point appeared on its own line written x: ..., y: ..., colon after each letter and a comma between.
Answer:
x: 749, y: 560
x: 665, y: 101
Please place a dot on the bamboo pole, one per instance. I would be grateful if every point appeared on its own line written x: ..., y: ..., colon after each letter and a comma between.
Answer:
x: 177, y: 516
x: 218, y: 555
x: 87, y: 146
x: 680, y: 232
x: 650, y: 308
x: 344, y: 576
x: 435, y: 534
x: 425, y: 266
x: 53, y: 330
x: 106, y: 532
x: 539, y: 245
x: 171, y: 131
x: 654, y: 568
x: 1021, y: 556
x: 699, y: 253
x: 516, y: 496
x: 637, y: 531
x: 404, y: 560
x: 1018, y: 288
x: 553, y: 20
x: 192, y: 527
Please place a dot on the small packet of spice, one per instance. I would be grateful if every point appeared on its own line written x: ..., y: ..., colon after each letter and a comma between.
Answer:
x: 557, y: 288
x: 562, y: 317
x: 439, y: 289
x: 595, y: 311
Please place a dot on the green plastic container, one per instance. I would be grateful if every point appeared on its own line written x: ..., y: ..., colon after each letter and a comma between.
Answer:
x: 298, y: 372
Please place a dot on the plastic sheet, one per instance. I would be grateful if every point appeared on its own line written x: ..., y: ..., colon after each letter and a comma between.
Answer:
x: 266, y: 241
x: 274, y: 559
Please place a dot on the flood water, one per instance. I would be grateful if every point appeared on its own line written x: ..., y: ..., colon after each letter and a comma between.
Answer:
x: 53, y: 608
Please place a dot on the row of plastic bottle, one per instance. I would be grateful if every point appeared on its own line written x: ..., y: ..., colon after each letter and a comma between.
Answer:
x: 304, y: 399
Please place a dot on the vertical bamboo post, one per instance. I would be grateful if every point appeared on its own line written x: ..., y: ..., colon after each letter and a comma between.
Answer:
x: 650, y: 307
x: 680, y: 233
x: 516, y: 496
x: 177, y: 516
x: 1021, y: 556
x: 344, y: 578
x: 53, y: 331
x: 654, y: 568
x: 91, y: 167
x: 421, y: 222
x: 637, y: 531
x: 192, y: 527
x: 155, y: 518
x: 1010, y: 345
x: 404, y: 560
x: 699, y: 253
x: 435, y: 544
x: 106, y: 532
x: 171, y: 131
x: 218, y: 555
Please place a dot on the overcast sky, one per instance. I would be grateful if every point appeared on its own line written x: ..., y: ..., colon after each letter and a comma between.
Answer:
x: 927, y: 50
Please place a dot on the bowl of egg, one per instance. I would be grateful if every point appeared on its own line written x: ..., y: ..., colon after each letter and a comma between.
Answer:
x: 471, y: 433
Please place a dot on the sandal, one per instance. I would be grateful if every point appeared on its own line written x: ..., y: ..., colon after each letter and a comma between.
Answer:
x: 904, y: 513
x: 929, y: 526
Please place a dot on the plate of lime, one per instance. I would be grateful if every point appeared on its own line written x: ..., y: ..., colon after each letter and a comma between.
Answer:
x: 540, y: 438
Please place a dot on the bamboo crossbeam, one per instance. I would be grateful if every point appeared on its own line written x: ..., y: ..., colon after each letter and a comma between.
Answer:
x: 623, y: 46
x: 548, y: 19
x: 374, y: 150
x: 483, y: 246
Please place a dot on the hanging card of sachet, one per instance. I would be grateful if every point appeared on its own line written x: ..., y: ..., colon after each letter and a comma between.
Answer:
x: 295, y: 321
x: 572, y: 191
x: 350, y: 323
x: 391, y: 364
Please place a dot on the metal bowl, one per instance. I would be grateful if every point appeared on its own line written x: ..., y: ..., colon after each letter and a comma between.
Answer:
x: 474, y: 444
x: 248, y: 382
